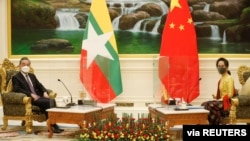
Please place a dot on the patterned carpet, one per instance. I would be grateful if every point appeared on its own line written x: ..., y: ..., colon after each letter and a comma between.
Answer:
x: 40, y: 133
x: 8, y: 134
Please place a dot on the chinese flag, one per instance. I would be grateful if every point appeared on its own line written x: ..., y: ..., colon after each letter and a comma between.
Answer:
x: 178, y: 62
x: 99, y: 64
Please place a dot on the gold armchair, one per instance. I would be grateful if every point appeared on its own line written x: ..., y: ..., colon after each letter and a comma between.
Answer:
x: 17, y: 106
x: 240, y: 108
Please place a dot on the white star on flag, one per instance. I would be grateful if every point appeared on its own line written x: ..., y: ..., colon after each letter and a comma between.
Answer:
x: 95, y: 45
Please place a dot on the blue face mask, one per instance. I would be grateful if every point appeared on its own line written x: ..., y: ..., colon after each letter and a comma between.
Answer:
x: 221, y: 70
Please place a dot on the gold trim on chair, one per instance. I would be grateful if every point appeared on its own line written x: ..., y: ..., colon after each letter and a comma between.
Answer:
x: 232, y: 114
x: 7, y: 65
x: 240, y: 72
x: 26, y: 111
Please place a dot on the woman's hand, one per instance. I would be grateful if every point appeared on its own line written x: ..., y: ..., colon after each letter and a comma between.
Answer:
x: 214, y: 96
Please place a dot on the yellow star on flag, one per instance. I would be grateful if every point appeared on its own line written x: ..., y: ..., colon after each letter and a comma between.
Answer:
x: 174, y: 3
x: 190, y: 21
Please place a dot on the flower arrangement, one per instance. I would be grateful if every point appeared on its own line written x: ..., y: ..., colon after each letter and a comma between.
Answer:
x: 126, y: 129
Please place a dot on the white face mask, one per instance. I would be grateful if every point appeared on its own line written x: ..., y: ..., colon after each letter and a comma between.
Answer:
x: 25, y: 69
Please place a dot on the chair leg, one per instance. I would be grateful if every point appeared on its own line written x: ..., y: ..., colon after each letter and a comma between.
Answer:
x: 28, y: 123
x: 29, y: 127
x: 5, y: 123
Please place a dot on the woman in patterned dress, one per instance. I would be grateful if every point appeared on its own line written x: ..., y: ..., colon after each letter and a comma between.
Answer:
x: 219, y: 107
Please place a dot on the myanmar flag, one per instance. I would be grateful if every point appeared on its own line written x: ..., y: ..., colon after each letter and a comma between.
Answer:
x: 99, y: 65
x: 178, y: 61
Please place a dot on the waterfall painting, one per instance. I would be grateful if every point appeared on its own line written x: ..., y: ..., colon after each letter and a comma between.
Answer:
x: 56, y: 27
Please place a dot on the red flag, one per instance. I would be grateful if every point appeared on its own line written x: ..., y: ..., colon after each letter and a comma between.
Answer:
x: 178, y: 62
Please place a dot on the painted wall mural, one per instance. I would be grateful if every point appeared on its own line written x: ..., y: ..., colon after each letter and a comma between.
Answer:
x: 56, y: 27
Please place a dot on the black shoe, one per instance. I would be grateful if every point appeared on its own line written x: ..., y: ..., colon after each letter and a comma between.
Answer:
x: 55, y: 126
x: 23, y: 123
x: 56, y: 130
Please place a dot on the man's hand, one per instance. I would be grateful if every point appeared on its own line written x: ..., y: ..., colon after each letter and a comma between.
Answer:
x: 45, y: 94
x: 35, y: 96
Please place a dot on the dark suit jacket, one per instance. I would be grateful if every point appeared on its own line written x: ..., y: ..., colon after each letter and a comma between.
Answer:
x: 21, y: 85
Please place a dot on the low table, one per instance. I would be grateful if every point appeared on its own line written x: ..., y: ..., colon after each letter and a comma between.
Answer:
x: 173, y: 117
x: 79, y: 114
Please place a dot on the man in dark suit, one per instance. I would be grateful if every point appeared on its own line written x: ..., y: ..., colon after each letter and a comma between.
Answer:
x: 28, y: 84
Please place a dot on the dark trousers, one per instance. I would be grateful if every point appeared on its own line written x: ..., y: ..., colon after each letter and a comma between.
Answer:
x: 44, y: 104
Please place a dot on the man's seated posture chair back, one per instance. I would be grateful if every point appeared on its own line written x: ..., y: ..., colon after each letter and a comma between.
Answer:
x: 17, y: 106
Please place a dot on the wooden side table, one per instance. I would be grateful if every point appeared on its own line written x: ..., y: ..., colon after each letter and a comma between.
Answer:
x: 173, y: 117
x: 79, y: 114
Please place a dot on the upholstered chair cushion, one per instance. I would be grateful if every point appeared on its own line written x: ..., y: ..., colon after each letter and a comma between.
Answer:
x: 246, y: 75
x: 10, y: 74
x: 244, y: 100
x: 243, y: 112
x: 13, y: 104
x: 240, y: 108
x: 243, y: 109
x: 245, y: 90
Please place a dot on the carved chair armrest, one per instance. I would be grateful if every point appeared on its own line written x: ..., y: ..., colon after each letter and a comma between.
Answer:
x: 232, y: 112
x: 15, y: 98
x: 27, y: 100
x: 235, y: 101
x: 51, y: 93
x: 237, y: 106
